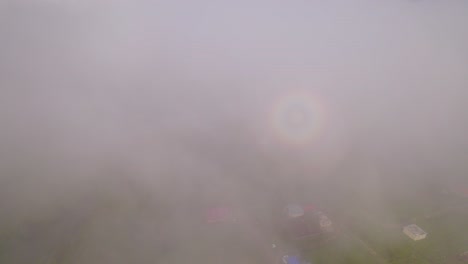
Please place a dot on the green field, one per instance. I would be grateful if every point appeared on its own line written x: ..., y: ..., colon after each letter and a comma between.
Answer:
x: 343, y: 249
x: 365, y: 234
x: 443, y: 217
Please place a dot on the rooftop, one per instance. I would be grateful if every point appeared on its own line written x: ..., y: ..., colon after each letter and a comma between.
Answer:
x: 414, y: 229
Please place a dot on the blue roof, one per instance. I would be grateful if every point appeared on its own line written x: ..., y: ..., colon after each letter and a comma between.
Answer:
x: 293, y: 260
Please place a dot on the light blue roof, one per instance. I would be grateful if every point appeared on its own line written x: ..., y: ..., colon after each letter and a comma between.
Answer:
x: 294, y: 210
x: 293, y: 260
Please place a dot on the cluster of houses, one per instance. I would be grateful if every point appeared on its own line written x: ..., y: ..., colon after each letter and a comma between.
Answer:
x: 306, y: 221
x: 297, y: 222
x: 301, y: 221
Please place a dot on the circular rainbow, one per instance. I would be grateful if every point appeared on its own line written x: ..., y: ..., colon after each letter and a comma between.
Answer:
x: 298, y: 117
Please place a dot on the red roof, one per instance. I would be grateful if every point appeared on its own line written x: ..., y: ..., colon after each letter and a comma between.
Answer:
x: 309, y: 207
x: 218, y: 214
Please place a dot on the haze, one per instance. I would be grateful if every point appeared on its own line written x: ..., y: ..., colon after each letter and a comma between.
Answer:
x: 122, y: 120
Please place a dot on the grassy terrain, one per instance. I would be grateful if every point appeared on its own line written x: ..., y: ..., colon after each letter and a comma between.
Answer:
x: 444, y: 217
x: 448, y: 236
x: 131, y: 230
x: 343, y: 249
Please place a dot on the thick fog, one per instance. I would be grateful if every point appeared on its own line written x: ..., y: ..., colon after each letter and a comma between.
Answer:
x: 122, y: 120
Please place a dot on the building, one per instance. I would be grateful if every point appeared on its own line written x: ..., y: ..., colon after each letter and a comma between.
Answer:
x: 303, y: 222
x: 325, y: 223
x: 295, y: 259
x: 414, y: 232
x: 219, y: 214
x: 294, y: 210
